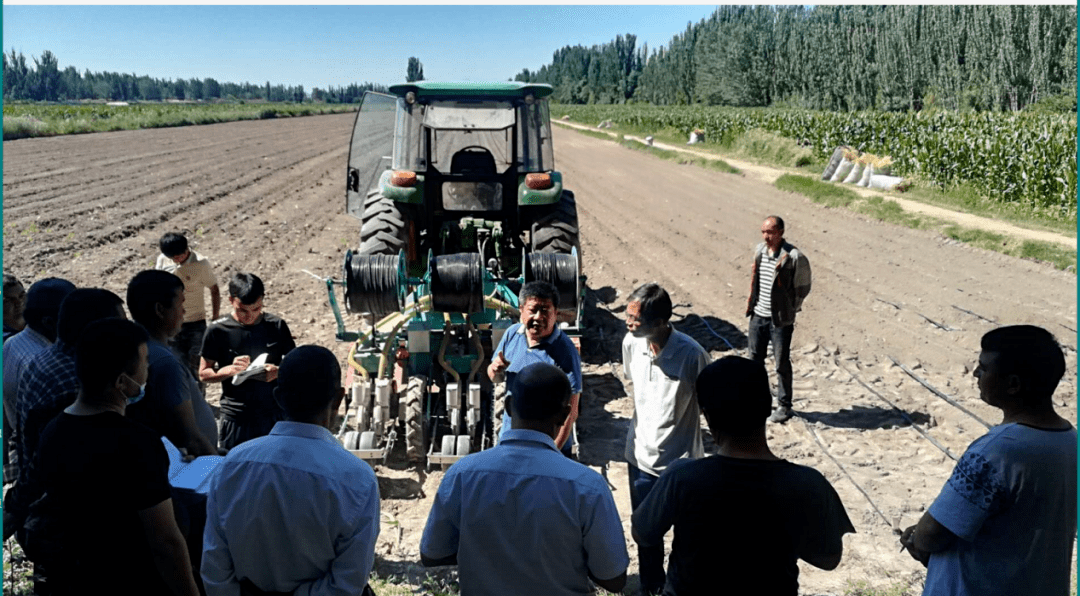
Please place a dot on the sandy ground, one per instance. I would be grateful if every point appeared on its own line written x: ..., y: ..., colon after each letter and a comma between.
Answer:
x: 268, y: 197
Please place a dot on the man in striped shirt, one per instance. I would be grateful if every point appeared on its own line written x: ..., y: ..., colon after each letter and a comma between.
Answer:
x: 780, y: 283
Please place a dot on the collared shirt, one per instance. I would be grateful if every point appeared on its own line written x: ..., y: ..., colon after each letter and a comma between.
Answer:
x: 46, y: 387
x: 522, y: 518
x: 667, y: 421
x: 197, y: 276
x: 291, y: 512
x: 1011, y: 501
x: 17, y: 354
x: 557, y: 349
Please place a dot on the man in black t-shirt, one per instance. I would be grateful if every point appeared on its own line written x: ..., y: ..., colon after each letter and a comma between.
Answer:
x: 231, y: 344
x: 106, y: 523
x: 743, y: 516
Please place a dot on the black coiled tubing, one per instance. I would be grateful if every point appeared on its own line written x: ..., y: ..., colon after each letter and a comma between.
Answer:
x: 457, y: 283
x: 371, y: 284
x: 558, y: 269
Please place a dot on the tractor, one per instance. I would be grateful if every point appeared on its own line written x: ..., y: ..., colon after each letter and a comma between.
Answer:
x: 460, y: 204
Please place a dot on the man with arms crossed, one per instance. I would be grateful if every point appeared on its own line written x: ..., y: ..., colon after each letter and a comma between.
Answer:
x: 744, y: 512
x: 1005, y: 521
x: 522, y: 518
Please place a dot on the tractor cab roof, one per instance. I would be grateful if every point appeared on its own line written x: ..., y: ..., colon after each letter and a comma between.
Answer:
x: 427, y: 90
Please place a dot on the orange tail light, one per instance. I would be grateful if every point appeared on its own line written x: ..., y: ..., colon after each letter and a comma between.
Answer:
x: 403, y: 178
x: 538, y: 181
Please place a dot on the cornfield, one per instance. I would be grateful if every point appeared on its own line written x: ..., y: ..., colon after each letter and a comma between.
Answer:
x: 1025, y: 159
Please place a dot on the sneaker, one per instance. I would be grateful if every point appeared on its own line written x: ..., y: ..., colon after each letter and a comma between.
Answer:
x: 781, y: 415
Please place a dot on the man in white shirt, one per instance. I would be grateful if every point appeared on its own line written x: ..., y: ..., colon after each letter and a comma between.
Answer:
x: 663, y: 364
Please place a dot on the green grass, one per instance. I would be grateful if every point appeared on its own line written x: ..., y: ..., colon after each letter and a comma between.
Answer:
x: 22, y: 120
x: 829, y: 195
x: 762, y: 146
x: 966, y: 199
x: 833, y: 195
x: 1060, y: 257
x: 675, y: 156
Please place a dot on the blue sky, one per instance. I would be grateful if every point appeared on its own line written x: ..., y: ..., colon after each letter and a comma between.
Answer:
x: 320, y: 46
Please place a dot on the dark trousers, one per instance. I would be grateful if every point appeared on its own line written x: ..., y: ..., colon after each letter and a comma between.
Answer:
x: 761, y: 333
x: 233, y: 431
x: 188, y: 344
x: 650, y: 558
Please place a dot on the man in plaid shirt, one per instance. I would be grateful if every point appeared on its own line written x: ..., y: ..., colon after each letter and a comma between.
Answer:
x: 42, y: 310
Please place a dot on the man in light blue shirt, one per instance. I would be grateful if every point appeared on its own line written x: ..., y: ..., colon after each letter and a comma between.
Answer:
x: 521, y: 518
x: 1005, y: 521
x: 293, y: 511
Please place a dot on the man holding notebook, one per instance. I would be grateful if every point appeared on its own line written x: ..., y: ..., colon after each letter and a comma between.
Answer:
x: 230, y: 346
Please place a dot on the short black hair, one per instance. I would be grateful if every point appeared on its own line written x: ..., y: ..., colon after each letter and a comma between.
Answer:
x: 82, y: 307
x: 540, y: 290
x: 308, y: 382
x: 247, y: 287
x: 779, y: 221
x: 734, y: 393
x: 173, y: 244
x: 539, y: 391
x: 654, y: 300
x: 10, y: 281
x: 43, y: 302
x: 148, y: 289
x: 1030, y: 352
x: 106, y: 348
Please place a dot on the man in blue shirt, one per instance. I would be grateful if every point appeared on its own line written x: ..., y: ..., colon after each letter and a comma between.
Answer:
x: 1005, y: 521
x: 521, y: 518
x: 537, y: 338
x: 293, y: 511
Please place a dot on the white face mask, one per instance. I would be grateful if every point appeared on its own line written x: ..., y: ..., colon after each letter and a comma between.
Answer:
x: 131, y: 400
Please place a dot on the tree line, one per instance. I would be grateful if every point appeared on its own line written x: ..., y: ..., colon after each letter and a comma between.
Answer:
x: 986, y: 58
x: 45, y: 81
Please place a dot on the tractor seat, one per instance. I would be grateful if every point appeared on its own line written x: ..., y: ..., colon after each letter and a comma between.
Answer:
x: 473, y: 163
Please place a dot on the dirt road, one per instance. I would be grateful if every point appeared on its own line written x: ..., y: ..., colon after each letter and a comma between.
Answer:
x: 268, y: 197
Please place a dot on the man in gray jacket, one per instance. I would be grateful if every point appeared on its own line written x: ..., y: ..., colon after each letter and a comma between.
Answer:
x: 780, y: 283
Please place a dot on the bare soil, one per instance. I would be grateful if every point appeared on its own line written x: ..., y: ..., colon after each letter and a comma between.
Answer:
x: 268, y: 197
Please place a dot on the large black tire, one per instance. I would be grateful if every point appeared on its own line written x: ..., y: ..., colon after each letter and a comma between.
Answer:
x: 383, y: 230
x: 414, y: 419
x: 556, y: 228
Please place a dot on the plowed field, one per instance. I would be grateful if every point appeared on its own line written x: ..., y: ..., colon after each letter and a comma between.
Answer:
x: 268, y: 197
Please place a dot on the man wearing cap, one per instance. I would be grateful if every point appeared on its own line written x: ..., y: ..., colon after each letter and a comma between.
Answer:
x: 744, y: 512
x: 521, y: 517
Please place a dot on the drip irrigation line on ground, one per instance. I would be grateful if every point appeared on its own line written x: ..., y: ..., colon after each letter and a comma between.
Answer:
x: 892, y: 304
x: 974, y: 314
x: 922, y: 432
x: 938, y: 393
x: 846, y: 473
x: 935, y: 323
x: 1067, y: 327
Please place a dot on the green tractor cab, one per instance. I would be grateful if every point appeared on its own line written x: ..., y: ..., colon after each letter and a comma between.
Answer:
x: 460, y: 204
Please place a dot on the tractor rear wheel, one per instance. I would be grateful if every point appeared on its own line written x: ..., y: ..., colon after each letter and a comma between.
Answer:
x: 556, y: 229
x: 414, y: 419
x: 383, y: 229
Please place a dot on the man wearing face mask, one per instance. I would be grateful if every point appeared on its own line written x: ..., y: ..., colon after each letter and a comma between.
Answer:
x: 106, y: 522
x: 663, y: 364
x: 47, y: 386
x: 248, y: 409
x: 538, y: 339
